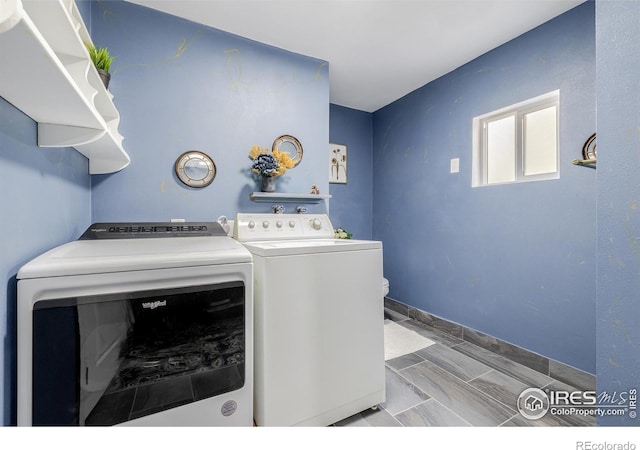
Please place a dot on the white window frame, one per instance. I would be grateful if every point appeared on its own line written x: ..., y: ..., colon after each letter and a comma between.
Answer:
x: 519, y: 110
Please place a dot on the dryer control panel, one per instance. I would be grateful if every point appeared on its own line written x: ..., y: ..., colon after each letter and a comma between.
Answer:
x: 263, y: 227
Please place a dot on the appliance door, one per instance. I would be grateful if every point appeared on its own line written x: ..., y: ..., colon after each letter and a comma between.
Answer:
x: 319, y: 327
x: 103, y: 353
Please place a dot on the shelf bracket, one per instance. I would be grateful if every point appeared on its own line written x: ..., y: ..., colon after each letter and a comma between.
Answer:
x: 54, y: 135
x: 584, y: 162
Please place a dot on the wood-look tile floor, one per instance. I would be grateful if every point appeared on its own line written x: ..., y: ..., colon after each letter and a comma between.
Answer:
x: 456, y: 383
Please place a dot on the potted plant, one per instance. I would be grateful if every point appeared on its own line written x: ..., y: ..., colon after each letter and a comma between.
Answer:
x: 102, y: 60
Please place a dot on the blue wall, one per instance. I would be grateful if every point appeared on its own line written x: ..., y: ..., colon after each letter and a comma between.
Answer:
x: 351, y: 203
x: 513, y: 261
x: 44, y: 201
x: 618, y: 289
x: 181, y: 86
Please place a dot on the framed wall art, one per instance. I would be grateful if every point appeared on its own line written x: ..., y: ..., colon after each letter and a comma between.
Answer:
x: 337, y: 163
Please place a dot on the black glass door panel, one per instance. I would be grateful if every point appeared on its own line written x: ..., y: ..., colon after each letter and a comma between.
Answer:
x: 103, y: 360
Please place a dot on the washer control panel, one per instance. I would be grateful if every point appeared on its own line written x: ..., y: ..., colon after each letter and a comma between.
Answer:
x: 260, y: 227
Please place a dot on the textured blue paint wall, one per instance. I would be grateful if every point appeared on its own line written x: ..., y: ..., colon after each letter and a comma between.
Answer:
x: 513, y: 261
x: 351, y: 203
x: 618, y: 289
x: 180, y: 86
x: 44, y: 201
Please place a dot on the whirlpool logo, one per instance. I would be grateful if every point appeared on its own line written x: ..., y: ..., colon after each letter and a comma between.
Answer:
x: 154, y: 305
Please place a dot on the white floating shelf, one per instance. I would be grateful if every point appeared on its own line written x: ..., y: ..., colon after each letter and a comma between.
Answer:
x: 47, y: 74
x: 269, y: 197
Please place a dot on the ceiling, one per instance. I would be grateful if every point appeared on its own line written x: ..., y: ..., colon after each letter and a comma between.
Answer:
x: 378, y: 50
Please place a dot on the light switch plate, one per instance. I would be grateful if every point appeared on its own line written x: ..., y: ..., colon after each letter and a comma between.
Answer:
x: 455, y: 165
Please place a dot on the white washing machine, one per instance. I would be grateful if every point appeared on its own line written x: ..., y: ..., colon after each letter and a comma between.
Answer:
x: 319, y: 337
x: 138, y: 324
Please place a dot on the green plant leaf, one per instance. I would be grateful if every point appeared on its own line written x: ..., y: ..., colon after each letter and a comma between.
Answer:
x: 100, y: 57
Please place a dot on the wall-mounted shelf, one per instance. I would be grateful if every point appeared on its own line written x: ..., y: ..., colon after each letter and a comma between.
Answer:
x: 269, y: 197
x: 47, y: 74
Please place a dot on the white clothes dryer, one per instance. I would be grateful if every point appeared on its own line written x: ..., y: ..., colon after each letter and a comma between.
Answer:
x: 138, y: 324
x: 319, y: 320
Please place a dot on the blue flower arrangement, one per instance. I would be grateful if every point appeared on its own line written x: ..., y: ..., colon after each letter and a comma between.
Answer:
x: 270, y: 163
x: 266, y: 165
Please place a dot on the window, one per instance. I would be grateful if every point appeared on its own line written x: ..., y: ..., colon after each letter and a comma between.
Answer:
x: 517, y: 143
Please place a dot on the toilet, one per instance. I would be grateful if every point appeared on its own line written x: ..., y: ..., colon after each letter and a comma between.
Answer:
x: 385, y: 287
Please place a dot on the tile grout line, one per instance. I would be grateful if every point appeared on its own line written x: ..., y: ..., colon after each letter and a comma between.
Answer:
x: 491, y: 369
x: 392, y: 416
x: 413, y: 406
x: 509, y: 419
x: 491, y: 397
x: 454, y: 413
x: 511, y: 408
x: 406, y: 367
